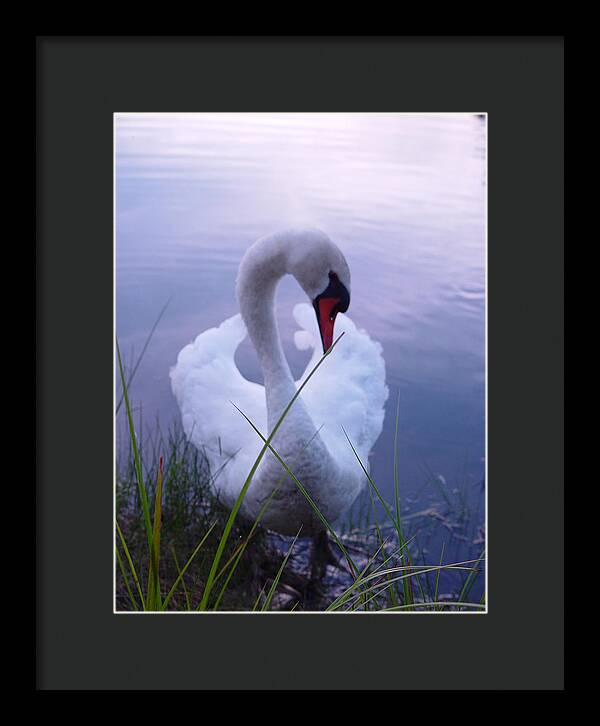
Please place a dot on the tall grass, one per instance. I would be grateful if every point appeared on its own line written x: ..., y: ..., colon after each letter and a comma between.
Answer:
x: 227, y: 565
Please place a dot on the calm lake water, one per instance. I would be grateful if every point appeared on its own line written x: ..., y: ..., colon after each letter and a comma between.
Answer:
x: 404, y: 198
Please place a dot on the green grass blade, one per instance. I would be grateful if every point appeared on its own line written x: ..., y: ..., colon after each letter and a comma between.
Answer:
x: 154, y: 571
x: 393, y: 595
x: 237, y: 555
x: 173, y: 589
x: 260, y: 594
x: 404, y: 557
x: 125, y: 579
x: 407, y: 585
x: 240, y: 498
x: 429, y: 605
x: 136, y: 455
x: 385, y: 505
x: 396, y: 477
x: 267, y: 603
x: 437, y: 577
x: 414, y: 570
x: 185, y: 590
x: 370, y: 561
x: 315, y: 508
x: 470, y: 580
x: 395, y: 519
x: 141, y: 355
x: 242, y: 549
x: 131, y: 566
x: 377, y: 590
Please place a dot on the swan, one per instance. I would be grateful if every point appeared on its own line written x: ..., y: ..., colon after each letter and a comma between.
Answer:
x: 348, y: 391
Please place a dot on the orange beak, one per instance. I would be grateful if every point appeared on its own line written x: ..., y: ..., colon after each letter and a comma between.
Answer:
x: 326, y: 319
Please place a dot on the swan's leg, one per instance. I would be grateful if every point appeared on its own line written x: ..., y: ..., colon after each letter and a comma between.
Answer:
x: 314, y: 592
x: 323, y: 555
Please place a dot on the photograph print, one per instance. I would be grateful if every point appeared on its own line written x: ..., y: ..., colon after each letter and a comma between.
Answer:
x: 300, y: 363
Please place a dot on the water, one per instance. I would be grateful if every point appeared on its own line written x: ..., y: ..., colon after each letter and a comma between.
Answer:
x: 404, y: 198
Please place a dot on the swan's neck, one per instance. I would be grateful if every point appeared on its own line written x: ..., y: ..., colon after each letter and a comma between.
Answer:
x: 260, y: 271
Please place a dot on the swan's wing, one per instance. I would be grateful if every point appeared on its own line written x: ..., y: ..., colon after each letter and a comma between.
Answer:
x: 349, y: 388
x: 205, y: 381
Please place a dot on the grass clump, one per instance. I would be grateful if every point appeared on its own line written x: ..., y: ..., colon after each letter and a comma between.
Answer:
x: 177, y: 548
x: 192, y: 521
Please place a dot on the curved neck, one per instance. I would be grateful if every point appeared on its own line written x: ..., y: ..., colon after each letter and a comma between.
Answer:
x: 260, y: 272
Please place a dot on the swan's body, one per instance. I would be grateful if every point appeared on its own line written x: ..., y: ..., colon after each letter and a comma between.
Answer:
x: 347, y: 391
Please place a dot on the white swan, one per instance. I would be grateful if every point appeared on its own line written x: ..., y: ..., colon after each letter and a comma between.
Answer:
x: 347, y: 391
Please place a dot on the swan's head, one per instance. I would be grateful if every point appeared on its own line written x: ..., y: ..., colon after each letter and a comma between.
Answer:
x: 323, y: 273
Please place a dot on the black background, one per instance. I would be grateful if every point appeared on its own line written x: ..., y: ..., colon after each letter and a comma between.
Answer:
x: 81, y: 644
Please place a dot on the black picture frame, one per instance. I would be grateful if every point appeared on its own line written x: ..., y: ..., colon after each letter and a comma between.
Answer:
x: 81, y: 82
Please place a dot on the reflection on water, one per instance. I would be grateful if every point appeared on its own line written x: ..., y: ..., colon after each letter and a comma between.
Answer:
x: 404, y: 198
